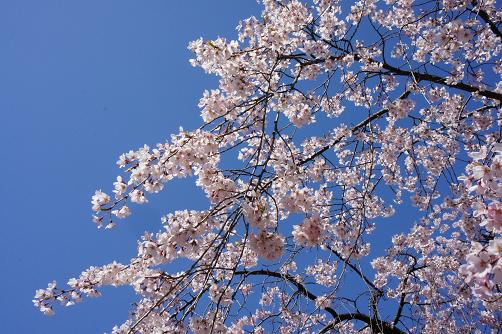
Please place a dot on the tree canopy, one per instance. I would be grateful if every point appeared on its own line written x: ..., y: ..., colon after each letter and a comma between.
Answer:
x: 330, y: 119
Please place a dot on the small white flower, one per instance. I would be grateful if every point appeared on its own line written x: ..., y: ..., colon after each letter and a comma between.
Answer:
x: 137, y: 196
x: 123, y: 212
x: 99, y: 199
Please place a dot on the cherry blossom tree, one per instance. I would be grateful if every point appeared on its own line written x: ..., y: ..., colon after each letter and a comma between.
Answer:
x: 332, y: 120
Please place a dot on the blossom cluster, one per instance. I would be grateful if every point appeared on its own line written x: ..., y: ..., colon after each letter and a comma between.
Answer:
x: 483, y: 267
x: 269, y: 246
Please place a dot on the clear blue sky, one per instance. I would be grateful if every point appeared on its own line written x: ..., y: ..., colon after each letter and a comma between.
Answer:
x: 80, y: 83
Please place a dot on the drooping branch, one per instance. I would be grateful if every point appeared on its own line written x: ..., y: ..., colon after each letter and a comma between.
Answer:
x: 384, y: 327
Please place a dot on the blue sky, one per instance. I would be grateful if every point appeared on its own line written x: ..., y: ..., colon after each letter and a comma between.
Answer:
x: 80, y: 83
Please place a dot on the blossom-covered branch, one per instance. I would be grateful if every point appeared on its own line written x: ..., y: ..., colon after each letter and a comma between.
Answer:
x: 351, y: 158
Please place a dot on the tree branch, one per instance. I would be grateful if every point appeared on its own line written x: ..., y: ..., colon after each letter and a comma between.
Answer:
x: 358, y: 127
x: 439, y: 80
x: 384, y: 327
x: 484, y: 15
x: 356, y: 270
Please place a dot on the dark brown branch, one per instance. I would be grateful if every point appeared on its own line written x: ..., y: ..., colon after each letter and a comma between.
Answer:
x: 356, y: 270
x: 484, y: 15
x: 382, y: 326
x: 418, y: 76
x: 401, y: 305
x: 439, y: 80
x: 356, y: 128
x: 377, y: 326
